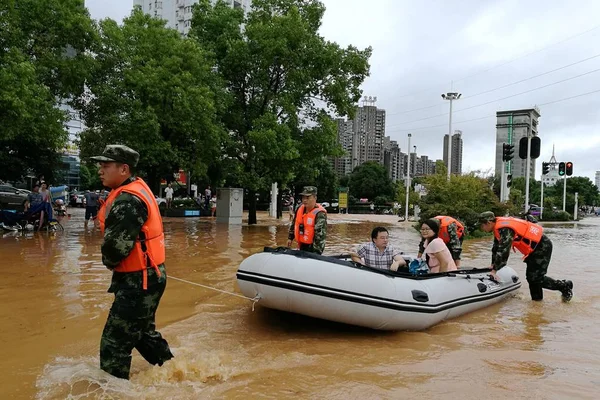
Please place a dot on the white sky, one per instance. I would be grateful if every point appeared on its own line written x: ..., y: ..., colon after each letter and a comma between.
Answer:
x: 420, y: 47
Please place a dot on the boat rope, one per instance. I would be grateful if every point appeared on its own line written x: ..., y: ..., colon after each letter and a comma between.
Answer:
x: 254, y: 299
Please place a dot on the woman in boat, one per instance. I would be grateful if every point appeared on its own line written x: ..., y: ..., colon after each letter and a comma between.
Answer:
x: 439, y: 258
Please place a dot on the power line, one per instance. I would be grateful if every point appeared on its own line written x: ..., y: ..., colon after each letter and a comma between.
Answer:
x: 530, y: 90
x: 509, y: 61
x: 533, y: 77
x: 528, y: 54
x: 503, y: 98
x: 500, y: 87
x: 493, y: 116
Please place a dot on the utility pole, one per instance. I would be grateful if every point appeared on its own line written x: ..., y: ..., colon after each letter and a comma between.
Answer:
x: 451, y: 96
x: 542, y: 200
x: 407, y: 179
x: 565, y: 193
x: 528, y: 166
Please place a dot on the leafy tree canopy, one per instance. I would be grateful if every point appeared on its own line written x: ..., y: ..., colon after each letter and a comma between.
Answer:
x: 281, y: 79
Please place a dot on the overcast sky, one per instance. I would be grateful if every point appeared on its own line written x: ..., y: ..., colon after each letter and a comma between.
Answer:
x: 420, y: 47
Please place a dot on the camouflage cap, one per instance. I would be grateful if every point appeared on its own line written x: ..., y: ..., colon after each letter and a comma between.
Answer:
x: 309, y: 190
x: 118, y: 153
x: 486, y: 216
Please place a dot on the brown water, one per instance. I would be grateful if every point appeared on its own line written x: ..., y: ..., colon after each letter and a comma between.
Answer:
x: 53, y: 305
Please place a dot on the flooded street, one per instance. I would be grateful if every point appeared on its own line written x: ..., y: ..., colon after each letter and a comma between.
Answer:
x: 54, y: 304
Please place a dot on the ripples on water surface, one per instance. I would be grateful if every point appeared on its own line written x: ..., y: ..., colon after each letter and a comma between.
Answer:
x: 54, y: 304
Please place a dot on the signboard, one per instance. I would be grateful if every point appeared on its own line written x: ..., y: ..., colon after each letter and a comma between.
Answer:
x: 179, y: 177
x: 343, y: 200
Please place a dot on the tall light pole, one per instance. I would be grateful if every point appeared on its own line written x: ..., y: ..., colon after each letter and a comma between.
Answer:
x: 407, y: 179
x: 451, y: 96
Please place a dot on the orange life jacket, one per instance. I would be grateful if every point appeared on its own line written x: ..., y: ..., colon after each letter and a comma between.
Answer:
x: 308, y: 220
x: 444, y: 223
x: 527, y: 234
x: 152, y: 251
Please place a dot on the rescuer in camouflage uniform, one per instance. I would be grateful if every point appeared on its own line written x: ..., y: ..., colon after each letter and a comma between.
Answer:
x: 537, y: 262
x: 309, y: 197
x: 131, y: 321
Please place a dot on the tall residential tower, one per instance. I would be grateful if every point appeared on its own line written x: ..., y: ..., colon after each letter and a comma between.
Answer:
x: 511, y: 126
x: 178, y: 13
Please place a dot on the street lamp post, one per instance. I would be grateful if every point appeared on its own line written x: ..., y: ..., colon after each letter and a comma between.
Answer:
x: 451, y: 96
x: 407, y: 179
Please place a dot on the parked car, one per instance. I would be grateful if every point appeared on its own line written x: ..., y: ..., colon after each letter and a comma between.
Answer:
x: 162, y: 203
x: 535, y: 211
x: 77, y: 199
x: 331, y: 206
x: 11, y: 197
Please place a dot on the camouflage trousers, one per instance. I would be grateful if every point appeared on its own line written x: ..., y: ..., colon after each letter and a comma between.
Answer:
x: 537, y: 267
x: 455, y: 249
x: 310, y: 248
x: 130, y: 323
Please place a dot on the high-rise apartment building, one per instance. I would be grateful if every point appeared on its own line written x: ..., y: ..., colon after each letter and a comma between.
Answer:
x: 392, y: 159
x: 597, y: 179
x: 369, y: 134
x: 511, y: 126
x: 343, y: 165
x: 178, y: 13
x: 363, y: 139
x: 457, y: 152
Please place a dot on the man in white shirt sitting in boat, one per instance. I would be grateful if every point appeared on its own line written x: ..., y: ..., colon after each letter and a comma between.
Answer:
x: 378, y: 253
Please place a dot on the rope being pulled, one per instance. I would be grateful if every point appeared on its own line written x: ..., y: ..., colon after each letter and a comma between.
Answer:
x: 254, y: 299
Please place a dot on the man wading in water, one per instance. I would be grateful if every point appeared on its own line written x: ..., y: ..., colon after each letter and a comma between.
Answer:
x: 134, y: 249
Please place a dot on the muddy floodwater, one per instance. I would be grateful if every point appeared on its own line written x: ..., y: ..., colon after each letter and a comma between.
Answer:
x: 53, y: 305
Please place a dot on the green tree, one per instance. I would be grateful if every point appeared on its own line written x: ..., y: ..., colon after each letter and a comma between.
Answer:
x: 463, y: 197
x: 321, y: 175
x: 440, y: 168
x: 43, y: 62
x: 413, y: 197
x: 154, y: 91
x: 370, y: 180
x: 89, y: 179
x: 281, y: 78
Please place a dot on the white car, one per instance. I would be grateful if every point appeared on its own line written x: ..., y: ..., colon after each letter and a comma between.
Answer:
x: 162, y: 203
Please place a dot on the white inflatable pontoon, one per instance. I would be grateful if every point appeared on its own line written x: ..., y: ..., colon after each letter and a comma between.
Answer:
x: 337, y: 289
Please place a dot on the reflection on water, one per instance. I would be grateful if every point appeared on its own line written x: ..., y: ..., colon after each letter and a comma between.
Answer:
x: 54, y: 302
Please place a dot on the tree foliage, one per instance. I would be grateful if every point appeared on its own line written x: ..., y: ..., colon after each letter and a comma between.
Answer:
x: 463, y: 197
x: 371, y: 180
x: 413, y: 197
x: 281, y: 78
x: 154, y: 91
x: 553, y: 195
x: 43, y: 62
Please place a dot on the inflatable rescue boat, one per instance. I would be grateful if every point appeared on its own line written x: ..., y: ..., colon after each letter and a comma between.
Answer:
x: 337, y: 289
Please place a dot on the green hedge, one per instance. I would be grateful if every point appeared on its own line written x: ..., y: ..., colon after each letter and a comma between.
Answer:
x: 557, y: 216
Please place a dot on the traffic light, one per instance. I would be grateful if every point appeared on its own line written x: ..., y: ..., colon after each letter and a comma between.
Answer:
x: 545, y: 168
x: 536, y: 144
x: 561, y: 168
x: 569, y: 168
x: 508, y: 180
x: 507, y: 151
